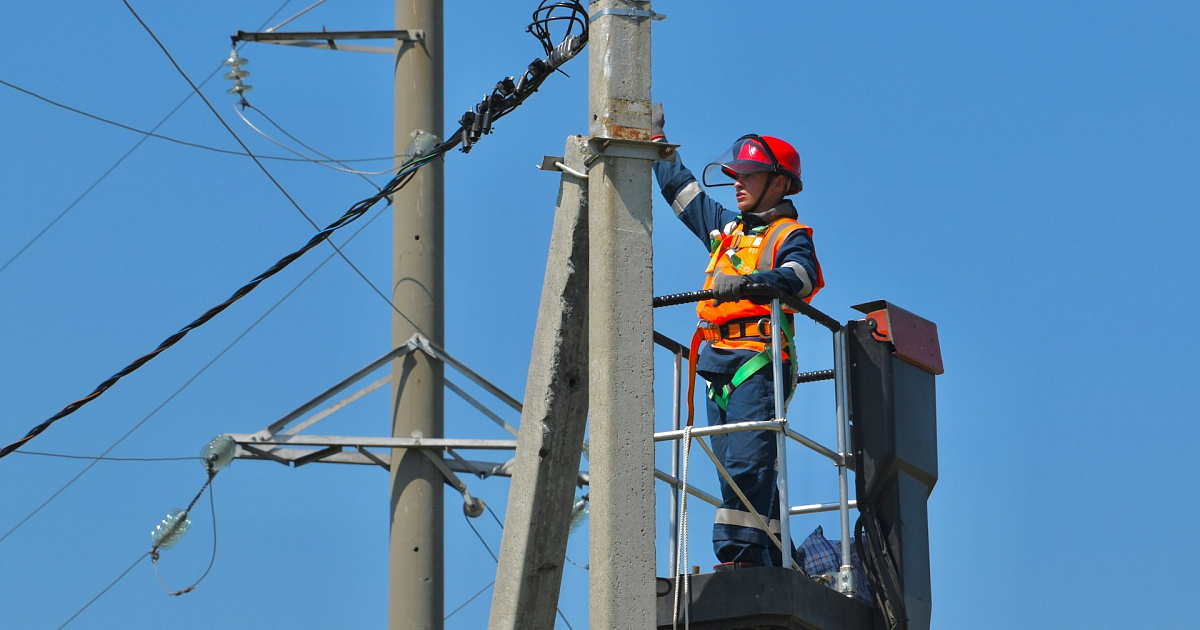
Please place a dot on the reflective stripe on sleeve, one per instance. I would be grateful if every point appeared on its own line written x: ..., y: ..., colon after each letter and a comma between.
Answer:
x: 726, y: 516
x: 685, y: 196
x: 802, y: 274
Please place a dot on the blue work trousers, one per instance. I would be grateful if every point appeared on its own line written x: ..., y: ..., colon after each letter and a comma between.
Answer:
x: 750, y: 459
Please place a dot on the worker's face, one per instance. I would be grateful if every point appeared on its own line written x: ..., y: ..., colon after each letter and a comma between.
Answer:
x: 752, y: 188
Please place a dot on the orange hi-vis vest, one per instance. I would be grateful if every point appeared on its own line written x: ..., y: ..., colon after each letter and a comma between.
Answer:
x: 747, y: 254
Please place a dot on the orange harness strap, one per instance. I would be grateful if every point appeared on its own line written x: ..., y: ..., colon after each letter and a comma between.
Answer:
x: 693, y: 354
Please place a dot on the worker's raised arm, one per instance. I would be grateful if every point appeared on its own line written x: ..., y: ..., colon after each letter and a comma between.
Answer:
x: 690, y: 203
x: 679, y: 187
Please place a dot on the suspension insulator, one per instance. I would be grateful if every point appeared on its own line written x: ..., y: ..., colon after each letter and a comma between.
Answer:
x: 579, y: 513
x: 219, y: 452
x: 236, y: 74
x: 473, y: 506
x: 173, y: 526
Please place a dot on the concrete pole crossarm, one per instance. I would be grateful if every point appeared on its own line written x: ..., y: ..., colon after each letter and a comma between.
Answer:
x: 553, y: 422
x: 621, y: 365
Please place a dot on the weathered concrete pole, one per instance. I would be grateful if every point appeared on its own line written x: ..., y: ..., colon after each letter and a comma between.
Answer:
x: 621, y: 343
x: 553, y: 422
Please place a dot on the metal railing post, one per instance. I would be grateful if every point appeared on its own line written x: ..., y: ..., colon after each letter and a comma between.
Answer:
x: 785, y: 532
x: 676, y: 394
x: 841, y: 388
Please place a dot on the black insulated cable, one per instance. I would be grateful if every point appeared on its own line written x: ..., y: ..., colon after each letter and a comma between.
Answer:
x: 880, y: 565
x: 181, y: 388
x: 538, y: 71
x: 759, y: 290
x: 356, y: 211
x: 573, y: 13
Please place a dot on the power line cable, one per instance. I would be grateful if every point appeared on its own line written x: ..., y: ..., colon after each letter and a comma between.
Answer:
x: 224, y: 124
x: 109, y: 459
x: 469, y: 600
x: 487, y: 112
x: 351, y: 215
x: 489, y: 550
x: 120, y: 160
x: 480, y: 537
x: 154, y: 555
x: 330, y: 165
x: 186, y: 143
x: 287, y: 21
x: 187, y: 383
x: 505, y: 97
x: 105, y: 590
x: 508, y: 94
x: 501, y: 524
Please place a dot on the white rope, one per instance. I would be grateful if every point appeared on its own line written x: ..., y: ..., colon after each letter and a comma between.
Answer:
x: 681, y: 551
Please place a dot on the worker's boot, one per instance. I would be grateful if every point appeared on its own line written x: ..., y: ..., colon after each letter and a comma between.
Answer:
x: 734, y: 566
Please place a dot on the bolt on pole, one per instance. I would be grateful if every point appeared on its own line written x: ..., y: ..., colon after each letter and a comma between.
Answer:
x: 621, y: 344
x: 415, y: 549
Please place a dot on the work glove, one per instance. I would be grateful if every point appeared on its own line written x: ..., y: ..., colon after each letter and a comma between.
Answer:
x: 657, y: 120
x: 727, y: 287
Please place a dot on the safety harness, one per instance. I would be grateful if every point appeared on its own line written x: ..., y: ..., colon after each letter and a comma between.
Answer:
x: 745, y: 254
x: 760, y: 329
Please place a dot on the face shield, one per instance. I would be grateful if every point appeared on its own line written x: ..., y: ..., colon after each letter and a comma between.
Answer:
x: 750, y: 154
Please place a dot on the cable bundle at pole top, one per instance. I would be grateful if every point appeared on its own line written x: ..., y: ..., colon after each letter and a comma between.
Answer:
x: 506, y: 96
x: 509, y: 94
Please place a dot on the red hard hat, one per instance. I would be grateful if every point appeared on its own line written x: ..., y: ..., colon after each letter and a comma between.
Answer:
x: 756, y: 154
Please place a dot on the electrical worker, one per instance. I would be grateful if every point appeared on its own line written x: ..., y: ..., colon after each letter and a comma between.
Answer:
x: 762, y: 243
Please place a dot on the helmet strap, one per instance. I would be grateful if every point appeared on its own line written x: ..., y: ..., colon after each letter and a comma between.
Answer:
x: 763, y: 193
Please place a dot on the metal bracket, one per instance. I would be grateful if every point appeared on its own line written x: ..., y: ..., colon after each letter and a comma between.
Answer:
x: 634, y: 13
x: 845, y: 581
x: 548, y: 163
x: 316, y: 456
x: 466, y: 464
x: 625, y: 148
x: 553, y: 163
x: 472, y: 506
x: 451, y: 479
x: 327, y: 39
x: 264, y: 454
x: 385, y: 464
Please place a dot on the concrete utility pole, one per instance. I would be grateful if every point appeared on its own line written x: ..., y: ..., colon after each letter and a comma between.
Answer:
x: 553, y: 422
x: 415, y: 551
x: 621, y: 345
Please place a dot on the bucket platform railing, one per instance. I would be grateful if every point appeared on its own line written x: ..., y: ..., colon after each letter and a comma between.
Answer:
x: 840, y: 455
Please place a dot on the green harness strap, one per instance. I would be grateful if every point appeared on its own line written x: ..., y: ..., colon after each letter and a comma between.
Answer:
x: 756, y: 363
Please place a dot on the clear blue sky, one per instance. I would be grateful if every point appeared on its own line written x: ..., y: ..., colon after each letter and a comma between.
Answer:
x: 1021, y: 173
